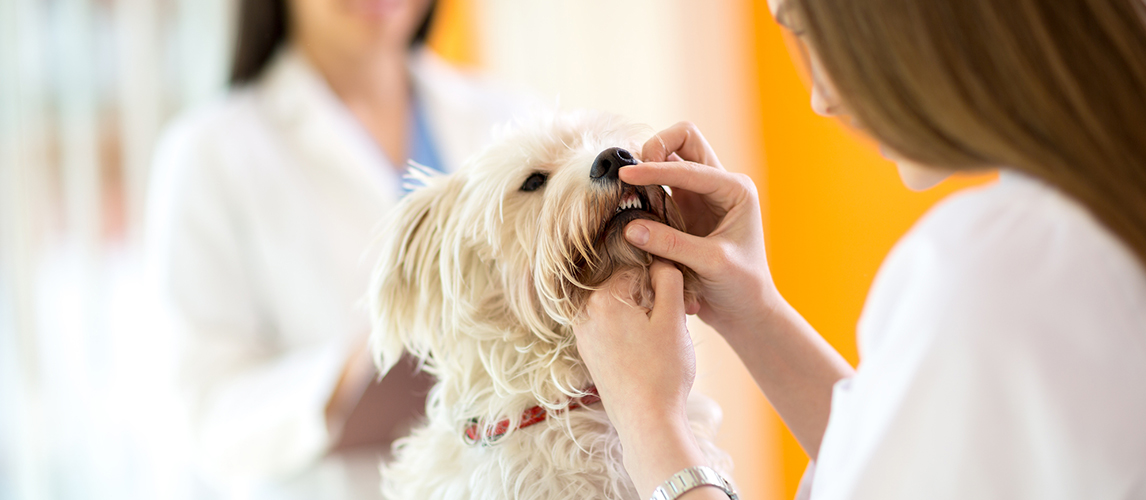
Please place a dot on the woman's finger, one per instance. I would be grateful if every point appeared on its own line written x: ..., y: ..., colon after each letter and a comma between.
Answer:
x: 668, y: 285
x: 683, y: 140
x: 668, y: 243
x: 607, y: 301
x: 717, y: 186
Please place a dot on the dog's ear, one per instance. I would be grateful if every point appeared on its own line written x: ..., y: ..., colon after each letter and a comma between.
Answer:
x: 406, y: 294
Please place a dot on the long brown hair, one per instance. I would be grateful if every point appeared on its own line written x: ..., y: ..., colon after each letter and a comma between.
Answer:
x: 263, y: 28
x: 1052, y: 88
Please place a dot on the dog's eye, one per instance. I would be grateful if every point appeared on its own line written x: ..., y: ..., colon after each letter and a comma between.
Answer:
x: 534, y: 182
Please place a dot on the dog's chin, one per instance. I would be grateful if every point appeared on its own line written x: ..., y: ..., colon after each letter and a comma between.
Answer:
x: 616, y: 256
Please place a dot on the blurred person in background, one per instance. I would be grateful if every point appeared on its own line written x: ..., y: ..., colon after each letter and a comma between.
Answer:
x: 261, y: 214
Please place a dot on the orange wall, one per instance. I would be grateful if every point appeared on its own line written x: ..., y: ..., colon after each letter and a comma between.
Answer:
x: 453, y: 36
x: 833, y: 207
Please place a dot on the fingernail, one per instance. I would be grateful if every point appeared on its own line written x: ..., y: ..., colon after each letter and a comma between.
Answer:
x: 637, y: 234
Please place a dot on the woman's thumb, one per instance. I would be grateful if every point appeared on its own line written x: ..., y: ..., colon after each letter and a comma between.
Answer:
x: 666, y: 242
x: 668, y: 285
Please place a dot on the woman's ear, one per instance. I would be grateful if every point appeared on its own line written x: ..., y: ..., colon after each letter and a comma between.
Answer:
x: 406, y: 288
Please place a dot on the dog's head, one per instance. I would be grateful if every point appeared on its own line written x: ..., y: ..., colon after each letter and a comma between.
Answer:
x: 484, y: 271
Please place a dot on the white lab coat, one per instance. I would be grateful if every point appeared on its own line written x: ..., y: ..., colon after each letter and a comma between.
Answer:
x: 261, y: 212
x: 1003, y: 355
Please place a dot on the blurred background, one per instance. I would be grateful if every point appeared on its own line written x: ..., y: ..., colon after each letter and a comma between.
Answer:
x: 86, y: 409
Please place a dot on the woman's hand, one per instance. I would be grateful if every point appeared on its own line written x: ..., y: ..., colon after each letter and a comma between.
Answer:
x: 725, y: 239
x: 355, y: 377
x: 643, y: 364
x: 791, y: 363
x: 642, y: 361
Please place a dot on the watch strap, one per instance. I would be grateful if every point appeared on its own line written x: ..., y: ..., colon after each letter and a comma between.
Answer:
x: 692, y: 478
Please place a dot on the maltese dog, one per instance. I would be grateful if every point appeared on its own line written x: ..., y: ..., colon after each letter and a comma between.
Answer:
x: 482, y: 275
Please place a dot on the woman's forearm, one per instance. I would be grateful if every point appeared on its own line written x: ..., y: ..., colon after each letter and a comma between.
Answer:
x: 353, y: 381
x: 795, y: 368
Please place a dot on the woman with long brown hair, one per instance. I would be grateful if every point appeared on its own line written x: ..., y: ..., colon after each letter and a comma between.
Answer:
x: 1003, y: 343
x: 262, y: 213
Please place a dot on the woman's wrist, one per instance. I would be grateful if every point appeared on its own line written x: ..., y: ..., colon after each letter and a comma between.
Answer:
x: 655, y: 448
x: 764, y: 313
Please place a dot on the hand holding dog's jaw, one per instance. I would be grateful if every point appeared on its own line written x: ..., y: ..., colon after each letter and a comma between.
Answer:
x: 724, y: 244
x: 643, y: 363
x: 641, y: 360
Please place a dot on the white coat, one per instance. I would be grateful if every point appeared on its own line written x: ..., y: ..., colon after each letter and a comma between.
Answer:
x: 261, y: 212
x: 1003, y: 355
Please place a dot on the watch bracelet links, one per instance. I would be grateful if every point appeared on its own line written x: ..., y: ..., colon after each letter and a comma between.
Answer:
x: 690, y: 479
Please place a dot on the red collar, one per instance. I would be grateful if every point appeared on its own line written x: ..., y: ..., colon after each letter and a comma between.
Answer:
x: 529, y: 417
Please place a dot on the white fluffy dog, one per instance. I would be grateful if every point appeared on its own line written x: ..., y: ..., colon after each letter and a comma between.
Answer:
x: 482, y: 274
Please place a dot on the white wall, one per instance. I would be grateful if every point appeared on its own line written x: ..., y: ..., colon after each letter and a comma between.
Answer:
x: 85, y: 86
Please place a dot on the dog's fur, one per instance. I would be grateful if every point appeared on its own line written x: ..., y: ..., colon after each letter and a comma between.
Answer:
x: 482, y: 282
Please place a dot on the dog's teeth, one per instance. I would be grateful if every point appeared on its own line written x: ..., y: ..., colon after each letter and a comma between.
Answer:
x: 630, y: 201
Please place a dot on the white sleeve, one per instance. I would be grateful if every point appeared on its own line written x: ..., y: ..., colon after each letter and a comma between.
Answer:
x: 984, y: 375
x: 256, y: 409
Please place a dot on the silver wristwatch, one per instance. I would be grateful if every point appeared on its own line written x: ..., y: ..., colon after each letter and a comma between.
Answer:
x: 690, y: 478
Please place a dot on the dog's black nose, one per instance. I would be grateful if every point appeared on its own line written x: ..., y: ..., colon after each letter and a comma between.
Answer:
x: 609, y: 163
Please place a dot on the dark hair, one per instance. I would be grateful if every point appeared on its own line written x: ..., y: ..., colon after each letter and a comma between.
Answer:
x: 263, y: 28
